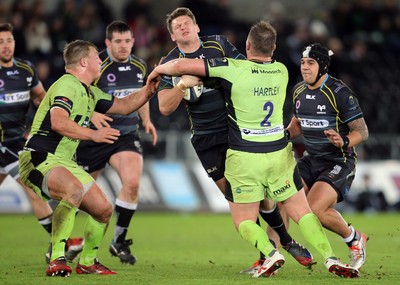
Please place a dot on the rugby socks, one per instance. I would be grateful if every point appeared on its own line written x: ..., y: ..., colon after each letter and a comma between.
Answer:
x: 124, y: 212
x: 262, y: 256
x: 314, y: 233
x: 274, y: 219
x: 93, y: 233
x: 47, y: 223
x: 63, y: 223
x: 254, y: 234
x: 354, y: 235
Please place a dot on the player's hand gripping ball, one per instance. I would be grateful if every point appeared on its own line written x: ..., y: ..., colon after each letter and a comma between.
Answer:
x: 192, y: 94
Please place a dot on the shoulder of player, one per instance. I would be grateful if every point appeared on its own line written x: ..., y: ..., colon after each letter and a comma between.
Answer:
x: 137, y: 61
x: 24, y: 64
x: 337, y: 86
x: 299, y: 87
x: 216, y: 41
x: 172, y: 54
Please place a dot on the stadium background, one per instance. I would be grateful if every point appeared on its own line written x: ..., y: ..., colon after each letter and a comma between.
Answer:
x: 364, y: 35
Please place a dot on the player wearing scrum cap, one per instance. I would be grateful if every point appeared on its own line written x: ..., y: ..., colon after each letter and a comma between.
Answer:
x: 328, y: 115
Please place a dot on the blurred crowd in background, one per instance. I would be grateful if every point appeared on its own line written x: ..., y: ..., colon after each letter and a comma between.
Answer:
x: 363, y: 34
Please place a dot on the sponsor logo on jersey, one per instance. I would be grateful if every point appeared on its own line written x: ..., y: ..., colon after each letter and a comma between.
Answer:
x: 282, y: 189
x: 310, y: 97
x: 124, y: 68
x: 312, y: 123
x: 256, y: 70
x: 15, y: 97
x: 111, y: 77
x: 1, y: 83
x: 214, y: 62
x: 11, y: 73
x: 63, y: 101
x: 264, y: 132
x: 121, y: 93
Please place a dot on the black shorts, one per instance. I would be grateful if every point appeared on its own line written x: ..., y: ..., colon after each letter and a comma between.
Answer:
x: 94, y: 156
x: 211, y: 150
x: 9, y: 153
x: 337, y: 174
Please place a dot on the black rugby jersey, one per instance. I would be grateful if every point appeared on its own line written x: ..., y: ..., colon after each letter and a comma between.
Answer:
x: 208, y: 114
x: 16, y: 83
x: 120, y: 79
x: 332, y: 106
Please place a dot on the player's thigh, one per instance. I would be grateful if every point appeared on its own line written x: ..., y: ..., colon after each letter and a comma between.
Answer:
x: 129, y: 165
x: 321, y: 196
x: 96, y: 204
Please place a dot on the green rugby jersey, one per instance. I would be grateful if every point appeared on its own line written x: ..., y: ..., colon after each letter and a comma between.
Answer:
x: 79, y: 101
x: 256, y: 94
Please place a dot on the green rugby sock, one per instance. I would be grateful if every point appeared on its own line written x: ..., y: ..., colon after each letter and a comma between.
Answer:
x: 63, y: 223
x: 94, y: 233
x: 314, y: 233
x: 254, y: 234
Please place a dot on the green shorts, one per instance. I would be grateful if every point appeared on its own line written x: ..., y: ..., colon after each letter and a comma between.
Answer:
x: 253, y: 176
x: 34, y: 167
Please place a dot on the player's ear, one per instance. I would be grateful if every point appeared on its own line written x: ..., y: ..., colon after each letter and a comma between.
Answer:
x: 107, y: 42
x: 197, y: 29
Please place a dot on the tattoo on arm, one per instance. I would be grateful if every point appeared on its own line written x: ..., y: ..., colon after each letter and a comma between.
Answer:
x: 359, y: 126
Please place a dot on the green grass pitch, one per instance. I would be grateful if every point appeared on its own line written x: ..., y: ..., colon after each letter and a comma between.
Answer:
x: 201, y: 248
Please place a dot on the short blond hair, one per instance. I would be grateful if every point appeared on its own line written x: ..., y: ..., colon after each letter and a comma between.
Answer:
x: 75, y: 51
x: 262, y: 37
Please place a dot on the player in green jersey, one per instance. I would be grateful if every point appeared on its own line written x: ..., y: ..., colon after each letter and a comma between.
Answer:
x: 260, y: 161
x: 47, y: 165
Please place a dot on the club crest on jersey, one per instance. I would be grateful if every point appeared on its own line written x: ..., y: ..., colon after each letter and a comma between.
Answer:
x: 321, y: 109
x: 29, y: 80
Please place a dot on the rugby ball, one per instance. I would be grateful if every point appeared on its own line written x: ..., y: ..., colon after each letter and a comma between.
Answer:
x: 192, y: 94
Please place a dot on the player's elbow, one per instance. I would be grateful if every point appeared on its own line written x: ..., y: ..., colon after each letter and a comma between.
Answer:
x: 165, y: 111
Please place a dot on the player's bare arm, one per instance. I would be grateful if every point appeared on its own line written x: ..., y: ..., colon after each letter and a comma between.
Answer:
x: 178, y: 67
x: 294, y: 128
x: 37, y: 94
x: 144, y: 113
x: 169, y: 99
x: 135, y: 100
x: 358, y: 134
x: 62, y: 124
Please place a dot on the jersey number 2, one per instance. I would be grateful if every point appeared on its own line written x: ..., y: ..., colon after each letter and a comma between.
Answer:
x: 269, y: 107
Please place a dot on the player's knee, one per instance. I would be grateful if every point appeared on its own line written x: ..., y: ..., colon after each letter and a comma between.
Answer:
x: 105, y: 213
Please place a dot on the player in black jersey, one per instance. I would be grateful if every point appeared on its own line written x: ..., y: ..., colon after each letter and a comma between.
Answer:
x: 328, y: 115
x: 121, y: 73
x: 208, y: 118
x: 19, y: 84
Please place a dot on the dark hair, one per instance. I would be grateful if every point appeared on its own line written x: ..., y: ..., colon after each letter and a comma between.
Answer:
x: 6, y: 27
x: 181, y: 11
x: 117, y: 27
x: 262, y: 37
